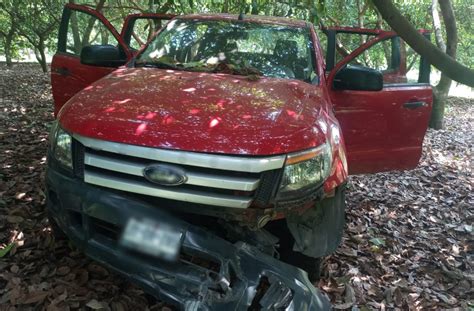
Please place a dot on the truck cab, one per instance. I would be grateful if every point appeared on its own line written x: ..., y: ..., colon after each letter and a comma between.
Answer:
x: 218, y: 152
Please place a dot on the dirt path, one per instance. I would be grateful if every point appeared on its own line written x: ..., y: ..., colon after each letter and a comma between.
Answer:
x: 409, y: 238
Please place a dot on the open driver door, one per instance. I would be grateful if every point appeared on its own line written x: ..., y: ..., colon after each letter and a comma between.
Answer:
x: 383, y: 128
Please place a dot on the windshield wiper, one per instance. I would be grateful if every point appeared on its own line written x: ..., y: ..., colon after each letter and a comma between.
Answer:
x: 222, y: 67
x: 157, y: 64
x: 237, y: 69
x: 228, y: 68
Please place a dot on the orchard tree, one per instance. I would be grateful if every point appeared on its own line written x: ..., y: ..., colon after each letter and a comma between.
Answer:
x: 38, y: 21
x: 441, y: 90
x: 8, y: 28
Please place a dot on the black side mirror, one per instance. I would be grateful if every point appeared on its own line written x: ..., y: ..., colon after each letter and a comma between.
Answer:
x: 102, y: 55
x: 358, y: 78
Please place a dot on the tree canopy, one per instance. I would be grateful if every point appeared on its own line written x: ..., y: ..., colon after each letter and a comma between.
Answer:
x: 34, y: 23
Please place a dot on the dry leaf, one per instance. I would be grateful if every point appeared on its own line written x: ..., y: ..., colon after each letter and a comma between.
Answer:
x: 34, y: 297
x: 95, y: 305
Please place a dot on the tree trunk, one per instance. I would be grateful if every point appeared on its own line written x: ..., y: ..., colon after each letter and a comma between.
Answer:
x: 8, y: 51
x: 75, y: 32
x: 437, y: 26
x: 255, y: 8
x: 386, y: 47
x: 90, y: 25
x: 440, y: 92
x: 422, y: 46
x: 225, y: 7
x: 41, y: 55
x: 361, y: 8
x: 9, y: 37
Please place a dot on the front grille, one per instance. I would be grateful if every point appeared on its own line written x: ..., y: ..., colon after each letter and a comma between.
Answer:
x: 217, y: 180
x: 190, y: 257
x: 78, y: 158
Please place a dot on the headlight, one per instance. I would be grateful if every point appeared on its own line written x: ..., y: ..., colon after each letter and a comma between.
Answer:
x: 61, y: 146
x: 307, y: 168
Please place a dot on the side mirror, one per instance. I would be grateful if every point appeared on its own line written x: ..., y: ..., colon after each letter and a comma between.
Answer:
x: 102, y: 55
x: 358, y: 78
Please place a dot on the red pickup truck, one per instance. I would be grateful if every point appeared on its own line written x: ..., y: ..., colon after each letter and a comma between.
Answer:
x: 205, y: 162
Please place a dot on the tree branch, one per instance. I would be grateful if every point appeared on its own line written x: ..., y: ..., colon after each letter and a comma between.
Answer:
x: 422, y: 46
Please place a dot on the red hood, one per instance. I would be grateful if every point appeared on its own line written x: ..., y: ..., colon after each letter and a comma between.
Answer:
x: 201, y: 112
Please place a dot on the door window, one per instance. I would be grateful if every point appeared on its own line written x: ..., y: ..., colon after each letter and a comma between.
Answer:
x: 84, y: 30
x: 397, y: 61
x: 378, y: 56
x: 346, y: 43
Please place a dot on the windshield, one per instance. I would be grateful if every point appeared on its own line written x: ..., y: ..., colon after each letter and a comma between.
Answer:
x: 244, y: 48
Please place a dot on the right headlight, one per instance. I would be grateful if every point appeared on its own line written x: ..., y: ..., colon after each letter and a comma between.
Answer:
x: 61, y: 146
x: 307, y: 168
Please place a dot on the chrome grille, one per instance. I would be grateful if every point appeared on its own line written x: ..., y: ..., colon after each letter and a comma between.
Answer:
x: 218, y: 180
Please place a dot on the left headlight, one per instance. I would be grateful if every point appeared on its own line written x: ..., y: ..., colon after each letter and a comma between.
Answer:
x: 61, y: 146
x: 306, y: 169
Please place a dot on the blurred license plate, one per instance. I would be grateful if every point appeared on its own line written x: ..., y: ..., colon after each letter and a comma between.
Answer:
x: 152, y: 238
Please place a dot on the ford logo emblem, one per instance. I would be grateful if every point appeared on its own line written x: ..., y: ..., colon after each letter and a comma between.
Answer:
x: 165, y: 175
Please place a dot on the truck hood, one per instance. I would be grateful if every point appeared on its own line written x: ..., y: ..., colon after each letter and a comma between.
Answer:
x: 195, y: 111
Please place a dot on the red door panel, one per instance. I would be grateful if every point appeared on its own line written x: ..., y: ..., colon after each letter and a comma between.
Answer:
x: 68, y: 75
x: 383, y: 130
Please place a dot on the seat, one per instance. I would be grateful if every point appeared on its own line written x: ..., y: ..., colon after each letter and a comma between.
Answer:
x: 287, y: 51
x: 230, y: 51
x: 231, y: 47
x: 286, y: 54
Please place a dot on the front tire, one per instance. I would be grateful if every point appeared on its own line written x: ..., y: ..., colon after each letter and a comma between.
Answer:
x: 56, y: 231
x: 309, y: 264
x: 286, y: 241
x: 305, y: 239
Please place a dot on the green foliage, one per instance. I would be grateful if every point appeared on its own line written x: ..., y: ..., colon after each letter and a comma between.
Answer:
x: 39, y: 19
x: 8, y: 32
x: 4, y: 251
x: 464, y: 11
x: 40, y: 16
x: 362, y: 13
x: 35, y: 21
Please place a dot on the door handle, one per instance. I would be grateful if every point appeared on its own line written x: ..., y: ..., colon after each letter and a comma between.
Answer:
x: 414, y: 105
x: 63, y: 71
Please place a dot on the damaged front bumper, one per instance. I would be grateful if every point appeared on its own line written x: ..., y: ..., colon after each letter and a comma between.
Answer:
x: 210, y: 274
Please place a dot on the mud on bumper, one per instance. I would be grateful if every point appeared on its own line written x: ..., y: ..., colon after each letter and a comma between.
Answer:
x: 211, y: 273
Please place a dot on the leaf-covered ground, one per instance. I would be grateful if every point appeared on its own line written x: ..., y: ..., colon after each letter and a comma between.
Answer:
x: 408, y: 243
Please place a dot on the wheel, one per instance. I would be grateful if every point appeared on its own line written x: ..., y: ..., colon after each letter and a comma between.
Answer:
x: 311, y: 265
x: 56, y: 231
x: 317, y: 232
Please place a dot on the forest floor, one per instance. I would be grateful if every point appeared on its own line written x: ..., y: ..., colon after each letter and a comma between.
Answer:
x: 408, y: 242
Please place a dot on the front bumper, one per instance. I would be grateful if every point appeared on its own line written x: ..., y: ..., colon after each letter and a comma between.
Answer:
x: 211, y: 274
